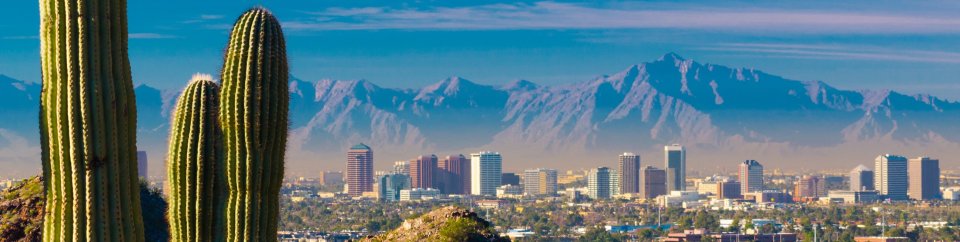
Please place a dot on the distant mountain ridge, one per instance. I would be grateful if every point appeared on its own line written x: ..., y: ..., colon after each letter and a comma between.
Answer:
x: 669, y: 100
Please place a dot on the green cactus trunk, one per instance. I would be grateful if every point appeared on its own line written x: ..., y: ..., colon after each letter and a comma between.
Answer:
x: 253, y: 116
x: 88, y: 123
x: 197, y: 188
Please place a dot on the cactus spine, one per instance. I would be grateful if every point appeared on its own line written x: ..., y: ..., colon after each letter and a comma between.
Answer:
x: 194, y: 165
x: 88, y: 123
x: 253, y: 115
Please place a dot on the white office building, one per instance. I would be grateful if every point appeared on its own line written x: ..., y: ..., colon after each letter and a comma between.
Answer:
x: 485, y: 173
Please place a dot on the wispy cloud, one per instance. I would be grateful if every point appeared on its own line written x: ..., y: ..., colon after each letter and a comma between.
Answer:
x: 203, y: 18
x: 210, y: 16
x: 150, y: 36
x: 554, y: 15
x: 837, y: 52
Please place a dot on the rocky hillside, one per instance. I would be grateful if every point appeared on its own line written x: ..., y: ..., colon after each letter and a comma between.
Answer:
x: 21, y: 211
x: 444, y: 224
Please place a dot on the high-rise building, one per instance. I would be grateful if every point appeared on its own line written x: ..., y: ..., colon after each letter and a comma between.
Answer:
x: 729, y: 189
x: 142, y: 164
x: 540, y: 182
x: 485, y: 173
x: 751, y: 176
x: 808, y: 188
x: 422, y: 171
x: 401, y: 167
x: 455, y: 172
x: 891, y: 176
x: 510, y: 178
x: 614, y: 182
x: 598, y: 183
x: 861, y: 179
x: 359, y: 170
x: 391, y: 184
x: 653, y: 182
x: 675, y: 163
x: 331, y: 178
x: 924, y: 174
x: 629, y: 170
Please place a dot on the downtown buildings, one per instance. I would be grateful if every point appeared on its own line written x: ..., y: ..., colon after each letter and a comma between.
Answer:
x: 653, y: 182
x: 924, y: 174
x: 891, y: 176
x: 629, y: 173
x: 454, y: 175
x: 359, y: 170
x: 142, y: 164
x: 675, y: 163
x: 540, y: 181
x: 598, y: 183
x: 861, y: 179
x: 422, y: 171
x: 485, y: 173
x: 751, y: 176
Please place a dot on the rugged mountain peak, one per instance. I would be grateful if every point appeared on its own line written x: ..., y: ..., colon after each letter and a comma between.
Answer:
x: 671, y: 57
x: 520, y: 85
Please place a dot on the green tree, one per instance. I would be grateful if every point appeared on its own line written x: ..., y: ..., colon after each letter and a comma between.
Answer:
x: 598, y: 234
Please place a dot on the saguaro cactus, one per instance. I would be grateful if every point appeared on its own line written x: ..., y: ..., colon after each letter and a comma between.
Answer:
x: 195, y: 165
x: 88, y: 123
x: 253, y: 115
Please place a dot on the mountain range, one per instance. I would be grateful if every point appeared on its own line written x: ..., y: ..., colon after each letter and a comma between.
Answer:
x: 722, y: 114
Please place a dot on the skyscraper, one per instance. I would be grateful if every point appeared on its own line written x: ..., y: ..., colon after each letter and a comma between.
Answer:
x: 675, y: 163
x: 653, y: 182
x: 629, y: 170
x: 598, y: 183
x: 422, y: 171
x: 486, y: 172
x: 455, y: 171
x: 861, y: 179
x: 540, y: 182
x: 614, y: 182
x: 751, y: 176
x: 924, y: 174
x: 142, y: 164
x: 359, y: 170
x: 391, y: 184
x: 891, y: 176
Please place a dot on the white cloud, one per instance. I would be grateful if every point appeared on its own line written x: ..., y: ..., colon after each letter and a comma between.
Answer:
x: 553, y: 15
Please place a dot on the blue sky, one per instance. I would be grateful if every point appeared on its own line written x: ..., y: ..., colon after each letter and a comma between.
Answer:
x: 906, y: 46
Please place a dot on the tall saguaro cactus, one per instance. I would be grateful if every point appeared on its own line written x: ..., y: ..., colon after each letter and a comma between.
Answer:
x: 253, y: 115
x: 88, y: 123
x: 194, y: 165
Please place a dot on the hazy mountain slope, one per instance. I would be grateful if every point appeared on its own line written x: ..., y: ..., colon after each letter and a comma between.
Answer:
x: 728, y: 112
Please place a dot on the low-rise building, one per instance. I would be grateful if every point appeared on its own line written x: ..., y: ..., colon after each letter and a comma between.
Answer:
x: 677, y: 198
x: 509, y: 191
x: 855, y: 197
x: 417, y: 194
